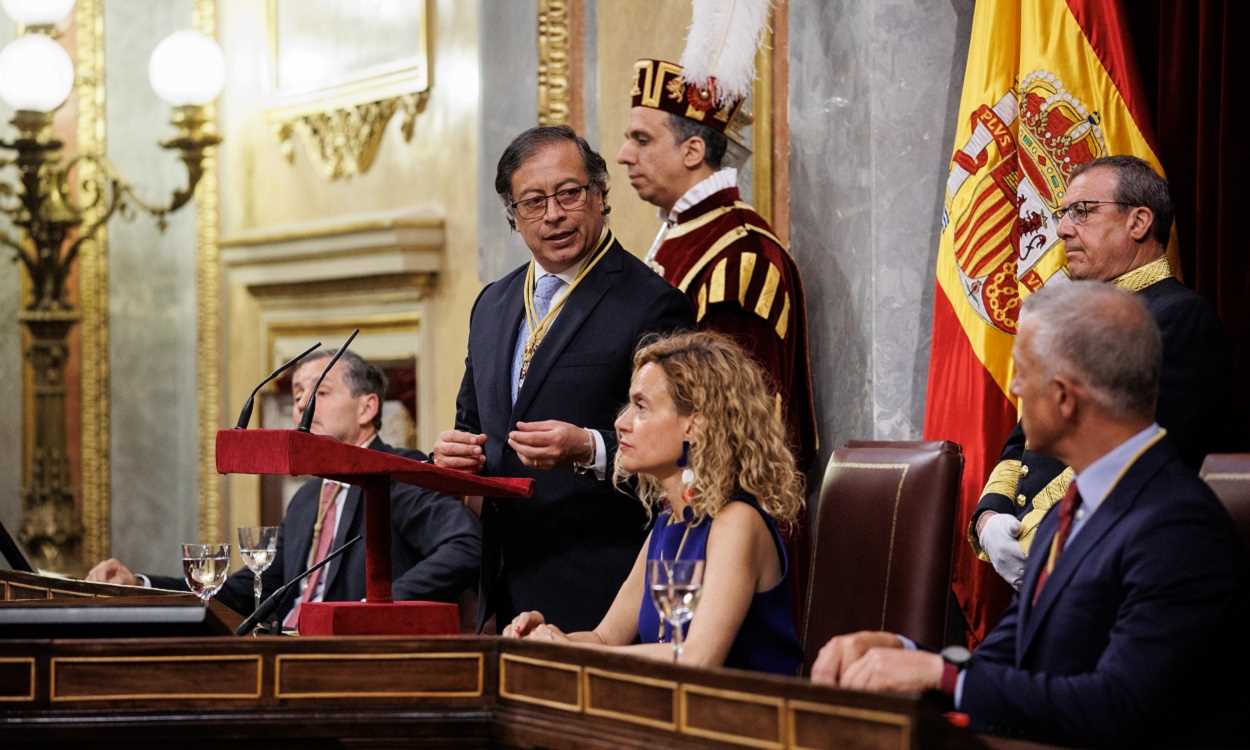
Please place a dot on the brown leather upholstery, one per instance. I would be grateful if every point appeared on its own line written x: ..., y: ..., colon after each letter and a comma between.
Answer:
x: 881, y: 545
x: 1228, y: 474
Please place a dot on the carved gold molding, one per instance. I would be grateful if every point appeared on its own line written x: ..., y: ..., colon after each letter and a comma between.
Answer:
x: 555, y: 70
x: 345, y: 141
x: 93, y: 292
x: 342, y: 124
x: 208, y: 313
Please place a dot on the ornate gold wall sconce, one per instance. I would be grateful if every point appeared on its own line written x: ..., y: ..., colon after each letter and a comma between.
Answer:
x: 59, y: 203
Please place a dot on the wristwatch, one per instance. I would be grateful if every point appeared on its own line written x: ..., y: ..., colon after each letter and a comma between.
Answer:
x: 956, y: 659
x: 587, y: 468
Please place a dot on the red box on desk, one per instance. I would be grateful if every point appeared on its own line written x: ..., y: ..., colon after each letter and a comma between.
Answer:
x: 364, y: 618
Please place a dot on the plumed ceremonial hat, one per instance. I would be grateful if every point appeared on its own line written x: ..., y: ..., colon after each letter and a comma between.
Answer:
x: 717, y: 68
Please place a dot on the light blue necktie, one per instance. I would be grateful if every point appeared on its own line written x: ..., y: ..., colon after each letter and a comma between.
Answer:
x: 544, y: 291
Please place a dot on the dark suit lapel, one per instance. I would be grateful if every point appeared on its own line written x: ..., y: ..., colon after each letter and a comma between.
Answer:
x: 303, y: 515
x: 581, y: 303
x: 1095, y: 529
x: 351, y: 507
x: 508, y: 313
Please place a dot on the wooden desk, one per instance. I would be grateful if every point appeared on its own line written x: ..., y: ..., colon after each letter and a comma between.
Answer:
x: 468, y: 692
x: 430, y: 692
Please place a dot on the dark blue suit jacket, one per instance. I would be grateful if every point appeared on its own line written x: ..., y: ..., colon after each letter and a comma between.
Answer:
x: 1139, y: 632
x: 566, y: 550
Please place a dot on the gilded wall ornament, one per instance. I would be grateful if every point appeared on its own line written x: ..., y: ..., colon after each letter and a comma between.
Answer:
x: 344, y: 141
x: 555, y: 68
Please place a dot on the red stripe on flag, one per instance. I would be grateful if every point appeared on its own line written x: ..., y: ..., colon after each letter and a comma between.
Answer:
x: 1106, y: 28
x: 990, y: 212
x: 973, y: 212
x: 995, y: 256
x: 966, y: 406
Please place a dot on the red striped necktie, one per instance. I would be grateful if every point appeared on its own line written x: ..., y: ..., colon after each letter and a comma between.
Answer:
x: 1067, y: 512
x: 323, y: 538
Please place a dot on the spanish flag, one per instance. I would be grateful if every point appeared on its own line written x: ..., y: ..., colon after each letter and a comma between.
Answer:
x: 1049, y: 85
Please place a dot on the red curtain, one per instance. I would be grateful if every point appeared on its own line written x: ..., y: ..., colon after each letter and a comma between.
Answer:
x: 1195, y: 62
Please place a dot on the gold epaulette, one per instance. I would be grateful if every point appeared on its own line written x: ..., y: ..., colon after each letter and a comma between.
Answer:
x: 1045, y: 498
x: 713, y: 291
x: 1148, y: 275
x: 1003, y: 481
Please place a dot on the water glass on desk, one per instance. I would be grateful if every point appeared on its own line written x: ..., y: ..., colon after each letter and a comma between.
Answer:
x: 205, y: 567
x: 257, y: 546
x: 675, y: 586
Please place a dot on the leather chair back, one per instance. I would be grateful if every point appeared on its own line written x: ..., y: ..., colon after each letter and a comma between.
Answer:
x: 1228, y: 475
x: 881, y: 542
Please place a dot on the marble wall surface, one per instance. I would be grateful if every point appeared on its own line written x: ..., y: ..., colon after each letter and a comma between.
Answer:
x: 874, y: 92
x: 509, y: 86
x: 10, y: 353
x: 152, y: 306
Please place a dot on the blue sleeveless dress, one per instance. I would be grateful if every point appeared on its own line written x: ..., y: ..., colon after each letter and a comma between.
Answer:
x: 767, y: 640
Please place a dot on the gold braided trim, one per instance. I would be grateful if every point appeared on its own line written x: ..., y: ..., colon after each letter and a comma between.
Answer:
x: 714, y: 292
x: 1143, y: 276
x: 1042, y: 502
x: 1003, y: 481
x: 724, y: 241
x: 702, y: 221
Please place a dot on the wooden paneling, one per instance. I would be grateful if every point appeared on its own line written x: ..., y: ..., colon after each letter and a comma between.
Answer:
x: 412, y: 675
x: 813, y: 725
x: 543, y: 683
x: 732, y: 716
x: 17, y: 679
x: 163, y: 678
x: 631, y: 698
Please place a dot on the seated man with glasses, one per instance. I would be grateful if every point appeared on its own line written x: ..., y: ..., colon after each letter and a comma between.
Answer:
x: 549, y: 359
x: 1115, y: 221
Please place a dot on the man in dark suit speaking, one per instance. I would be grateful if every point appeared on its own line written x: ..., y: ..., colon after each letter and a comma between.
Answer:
x: 436, y: 541
x: 1129, y: 624
x: 548, y: 366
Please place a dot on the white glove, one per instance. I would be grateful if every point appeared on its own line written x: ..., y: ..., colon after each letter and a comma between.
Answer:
x: 1000, y: 538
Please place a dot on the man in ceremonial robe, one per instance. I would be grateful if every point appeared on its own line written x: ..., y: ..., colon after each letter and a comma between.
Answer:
x: 550, y: 354
x: 1115, y: 222
x: 712, y: 246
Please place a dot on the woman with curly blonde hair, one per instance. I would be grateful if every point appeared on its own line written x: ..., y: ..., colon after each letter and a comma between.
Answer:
x: 702, y: 436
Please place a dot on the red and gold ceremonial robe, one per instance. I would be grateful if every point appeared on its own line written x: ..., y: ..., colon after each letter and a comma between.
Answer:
x: 743, y: 283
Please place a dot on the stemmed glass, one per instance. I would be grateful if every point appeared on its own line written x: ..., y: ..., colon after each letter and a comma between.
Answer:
x: 205, y: 567
x: 675, y: 587
x: 257, y: 547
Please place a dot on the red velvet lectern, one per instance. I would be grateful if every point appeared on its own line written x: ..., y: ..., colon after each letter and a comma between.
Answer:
x: 296, y: 453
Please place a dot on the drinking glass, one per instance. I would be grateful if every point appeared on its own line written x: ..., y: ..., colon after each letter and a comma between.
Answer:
x: 205, y: 567
x: 675, y: 587
x: 257, y: 547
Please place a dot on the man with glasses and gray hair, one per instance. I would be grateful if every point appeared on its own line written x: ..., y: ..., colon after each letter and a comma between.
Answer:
x: 549, y: 360
x: 1115, y: 220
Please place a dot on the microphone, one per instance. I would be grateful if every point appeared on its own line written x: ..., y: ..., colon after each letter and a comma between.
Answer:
x: 245, y: 415
x: 266, y: 607
x: 306, y: 423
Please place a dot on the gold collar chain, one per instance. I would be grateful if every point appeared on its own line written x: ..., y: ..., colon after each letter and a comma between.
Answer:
x: 538, y: 328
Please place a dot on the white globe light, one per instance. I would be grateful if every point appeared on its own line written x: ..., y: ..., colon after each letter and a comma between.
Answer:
x: 187, y: 68
x: 37, y: 12
x: 36, y: 74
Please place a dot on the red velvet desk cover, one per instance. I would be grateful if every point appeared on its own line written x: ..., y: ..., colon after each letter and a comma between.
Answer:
x: 295, y: 453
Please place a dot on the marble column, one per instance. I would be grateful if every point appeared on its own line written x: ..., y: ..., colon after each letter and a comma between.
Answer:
x: 874, y: 93
x: 509, y: 90
x: 152, y: 307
